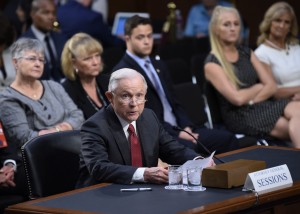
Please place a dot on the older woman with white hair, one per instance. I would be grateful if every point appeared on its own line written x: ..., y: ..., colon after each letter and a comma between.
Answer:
x: 30, y: 107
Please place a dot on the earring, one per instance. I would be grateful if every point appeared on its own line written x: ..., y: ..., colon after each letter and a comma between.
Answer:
x: 76, y: 70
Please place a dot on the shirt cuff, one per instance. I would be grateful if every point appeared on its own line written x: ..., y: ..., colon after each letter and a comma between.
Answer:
x: 11, y: 161
x: 138, y: 175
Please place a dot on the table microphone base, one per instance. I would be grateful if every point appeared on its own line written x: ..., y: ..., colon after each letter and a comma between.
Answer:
x: 230, y: 174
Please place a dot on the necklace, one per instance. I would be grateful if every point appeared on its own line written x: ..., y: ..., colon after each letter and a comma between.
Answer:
x: 99, y: 96
x: 32, y: 93
x: 273, y: 45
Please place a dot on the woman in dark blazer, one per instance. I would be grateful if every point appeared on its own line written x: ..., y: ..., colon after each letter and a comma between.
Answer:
x: 82, y: 66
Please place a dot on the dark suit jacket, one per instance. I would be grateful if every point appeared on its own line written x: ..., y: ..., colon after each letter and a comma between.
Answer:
x: 153, y: 100
x: 105, y: 153
x: 59, y: 42
x: 79, y: 96
x: 74, y: 18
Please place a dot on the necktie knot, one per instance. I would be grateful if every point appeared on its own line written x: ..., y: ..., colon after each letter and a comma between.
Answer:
x: 131, y: 129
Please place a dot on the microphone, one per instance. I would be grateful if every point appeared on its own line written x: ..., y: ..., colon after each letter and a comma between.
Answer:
x: 203, y: 147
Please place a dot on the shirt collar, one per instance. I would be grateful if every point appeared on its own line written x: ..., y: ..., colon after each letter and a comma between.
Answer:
x: 125, y: 124
x: 139, y: 60
x: 39, y: 34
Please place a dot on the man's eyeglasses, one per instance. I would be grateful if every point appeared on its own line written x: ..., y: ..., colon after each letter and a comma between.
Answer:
x: 127, y: 99
x: 34, y: 59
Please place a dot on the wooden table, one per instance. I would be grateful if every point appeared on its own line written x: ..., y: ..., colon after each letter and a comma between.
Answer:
x: 107, y: 198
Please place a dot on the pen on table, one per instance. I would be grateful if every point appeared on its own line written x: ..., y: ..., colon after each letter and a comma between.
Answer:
x: 135, y: 189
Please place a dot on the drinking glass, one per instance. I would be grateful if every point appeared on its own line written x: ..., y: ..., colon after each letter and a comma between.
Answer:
x: 175, y: 177
x: 194, y: 179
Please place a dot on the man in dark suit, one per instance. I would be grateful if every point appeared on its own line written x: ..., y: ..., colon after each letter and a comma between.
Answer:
x: 160, y: 96
x: 43, y: 14
x: 12, y: 174
x: 76, y: 16
x: 7, y: 162
x: 107, y: 155
x: 8, y: 168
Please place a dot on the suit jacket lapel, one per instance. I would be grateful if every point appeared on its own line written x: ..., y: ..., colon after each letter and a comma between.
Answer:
x: 163, y: 80
x: 119, y: 136
x: 145, y: 137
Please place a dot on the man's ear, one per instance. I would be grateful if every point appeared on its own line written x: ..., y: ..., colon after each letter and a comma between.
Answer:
x: 127, y: 38
x: 109, y: 96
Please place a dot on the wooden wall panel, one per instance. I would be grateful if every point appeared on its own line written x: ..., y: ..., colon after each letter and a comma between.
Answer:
x: 251, y: 10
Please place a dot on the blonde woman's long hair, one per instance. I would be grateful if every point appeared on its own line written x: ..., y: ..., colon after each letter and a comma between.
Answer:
x: 216, y: 47
x: 273, y: 13
x: 81, y: 44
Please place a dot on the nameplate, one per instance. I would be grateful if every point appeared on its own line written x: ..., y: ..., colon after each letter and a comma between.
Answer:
x: 269, y: 180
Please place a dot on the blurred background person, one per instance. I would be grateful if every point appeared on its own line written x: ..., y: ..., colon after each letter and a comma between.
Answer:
x: 31, y: 107
x: 12, y: 175
x: 7, y: 37
x: 18, y: 12
x: 199, y: 17
x: 7, y: 169
x: 279, y: 49
x: 82, y: 66
x: 76, y: 16
x: 101, y: 6
x: 245, y: 89
x: 6, y: 177
x: 43, y: 14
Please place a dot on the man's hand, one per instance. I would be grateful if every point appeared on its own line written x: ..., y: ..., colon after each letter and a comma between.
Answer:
x: 156, y: 175
x: 186, y: 136
x: 211, y: 163
x: 7, y: 176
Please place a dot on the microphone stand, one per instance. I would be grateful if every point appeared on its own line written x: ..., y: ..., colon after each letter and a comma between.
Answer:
x: 203, y: 147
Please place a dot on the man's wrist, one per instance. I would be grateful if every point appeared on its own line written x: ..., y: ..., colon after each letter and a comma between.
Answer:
x: 11, y: 163
x: 138, y: 175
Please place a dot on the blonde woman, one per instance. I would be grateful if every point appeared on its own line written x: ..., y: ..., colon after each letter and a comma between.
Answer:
x: 279, y: 50
x: 245, y: 88
x: 82, y: 66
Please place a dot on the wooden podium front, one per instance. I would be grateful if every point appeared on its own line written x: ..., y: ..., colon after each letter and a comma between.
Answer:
x: 231, y: 174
